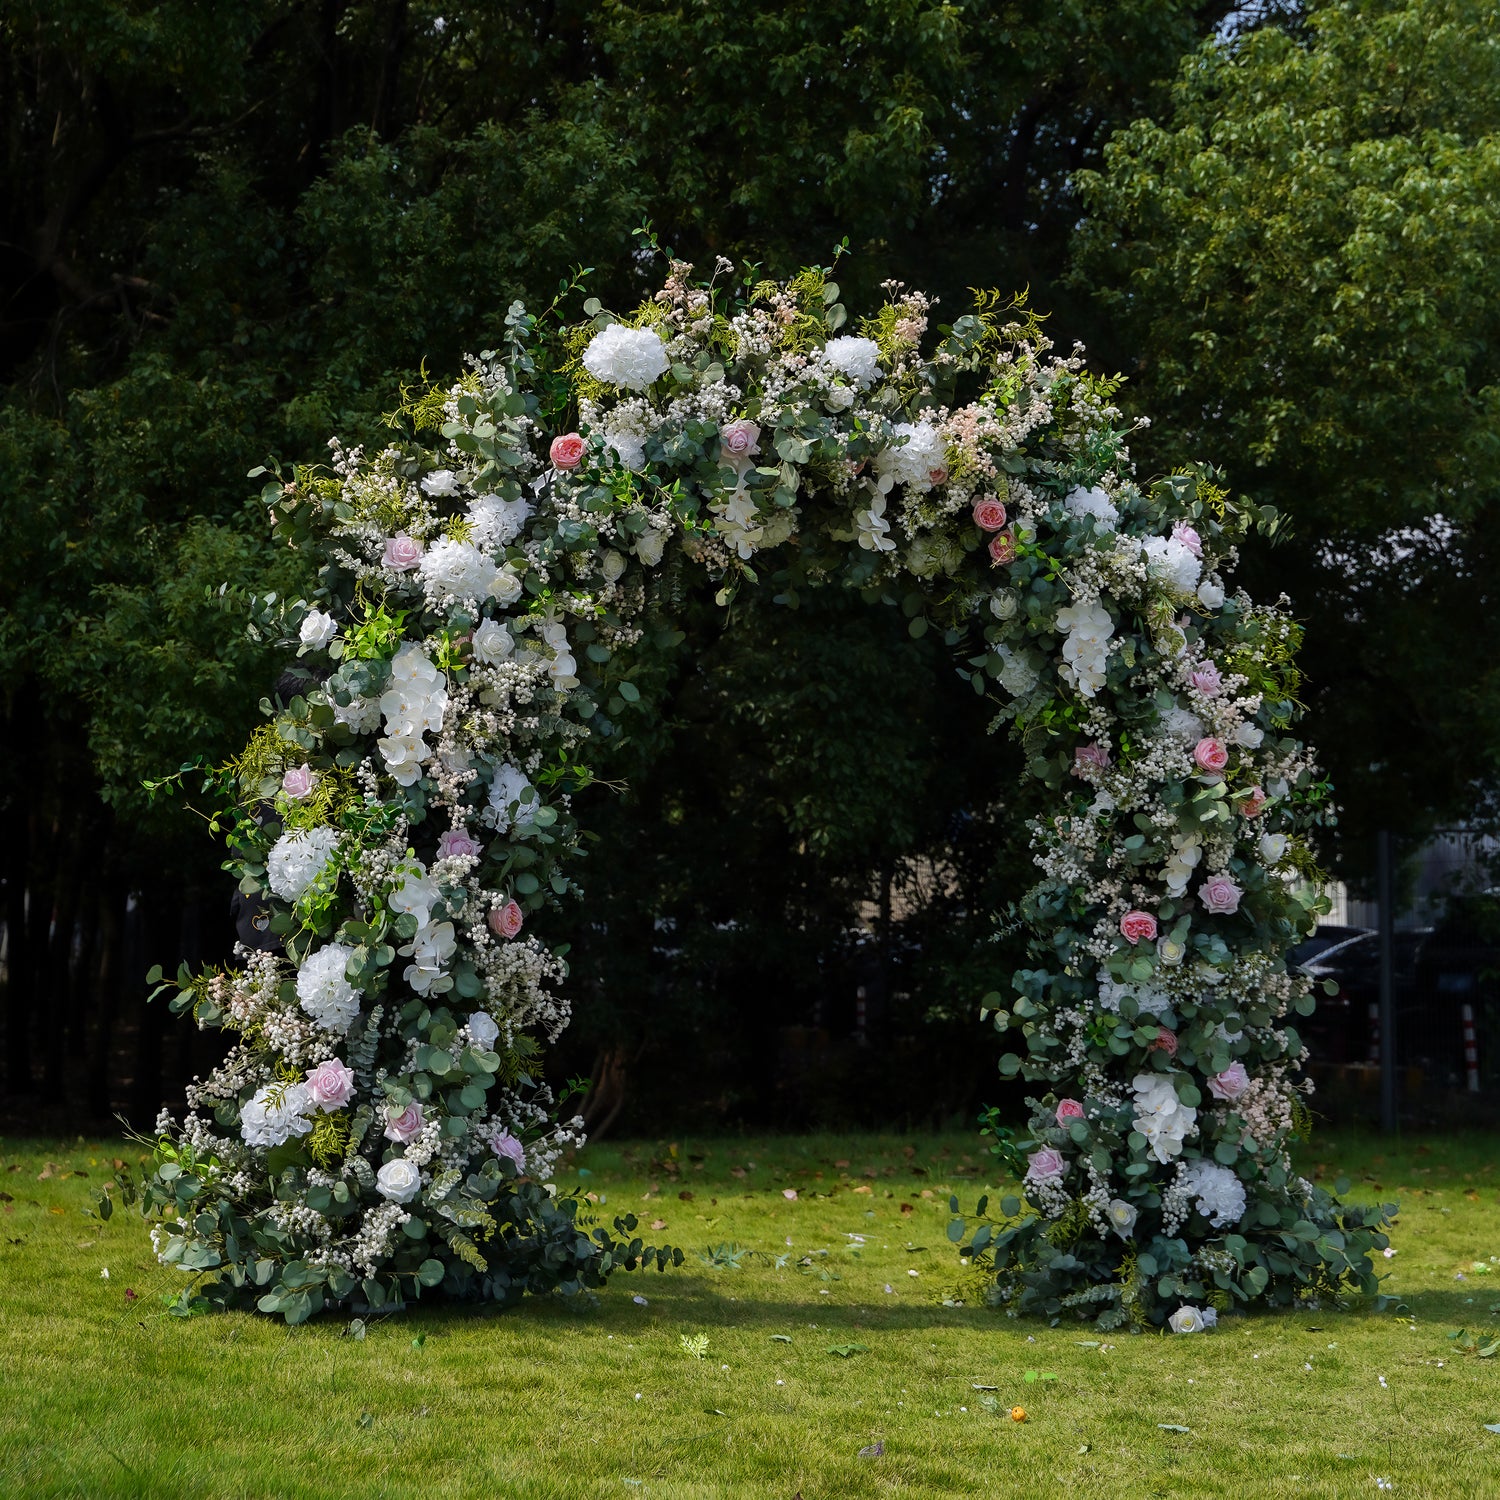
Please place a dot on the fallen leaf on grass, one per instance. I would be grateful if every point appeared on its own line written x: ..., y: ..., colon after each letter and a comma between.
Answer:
x: 1034, y: 1375
x: 846, y: 1351
x: 686, y: 1196
x: 366, y: 1419
x: 658, y: 1223
x: 1173, y: 1427
x: 907, y: 1209
x: 1492, y: 1426
x: 781, y: 1338
x: 979, y: 1387
x: 873, y: 1451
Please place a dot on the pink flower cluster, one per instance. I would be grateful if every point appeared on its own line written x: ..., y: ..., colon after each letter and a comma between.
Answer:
x: 506, y: 921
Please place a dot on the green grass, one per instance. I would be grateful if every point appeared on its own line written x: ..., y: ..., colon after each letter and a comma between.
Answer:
x: 104, y: 1395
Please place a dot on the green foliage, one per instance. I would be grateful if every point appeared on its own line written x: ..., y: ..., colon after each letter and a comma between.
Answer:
x: 1298, y: 251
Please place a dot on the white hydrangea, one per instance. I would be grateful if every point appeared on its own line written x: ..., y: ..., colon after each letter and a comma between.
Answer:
x: 324, y: 992
x: 275, y: 1114
x: 362, y: 715
x: 917, y: 459
x: 1219, y: 1193
x: 509, y: 786
x: 1017, y: 675
x: 1086, y: 650
x: 628, y: 357
x: 627, y: 444
x: 495, y: 523
x: 857, y: 358
x: 493, y: 643
x: 456, y: 570
x: 1094, y: 503
x: 1161, y: 1116
x: 1172, y: 562
x: 1149, y: 1001
x: 297, y: 858
x: 1182, y: 724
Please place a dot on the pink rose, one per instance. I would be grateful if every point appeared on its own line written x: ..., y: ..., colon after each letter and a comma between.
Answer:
x: 1045, y: 1165
x: 1231, y: 1083
x: 330, y: 1084
x: 1090, y: 755
x: 1136, y: 925
x: 506, y: 1146
x: 989, y: 514
x: 1206, y: 679
x: 567, y: 451
x: 1068, y: 1109
x: 1211, y: 754
x: 1252, y: 802
x: 456, y: 843
x: 1220, y: 895
x: 1164, y: 1041
x: 1003, y: 548
x: 937, y: 476
x: 739, y: 439
x: 1182, y: 532
x: 402, y: 554
x: 406, y: 1126
x: 299, y: 782
x: 506, y: 921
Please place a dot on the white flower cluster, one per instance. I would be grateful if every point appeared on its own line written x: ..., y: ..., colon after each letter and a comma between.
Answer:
x: 297, y: 858
x: 628, y: 357
x: 1161, y: 1116
x: 413, y: 707
x: 324, y: 992
x: 1218, y: 1192
x: 275, y: 1114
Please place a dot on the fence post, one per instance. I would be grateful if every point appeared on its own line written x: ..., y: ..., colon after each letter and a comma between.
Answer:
x: 1388, y: 1038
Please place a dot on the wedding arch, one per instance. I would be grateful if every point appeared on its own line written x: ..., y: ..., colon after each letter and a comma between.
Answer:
x: 487, y: 583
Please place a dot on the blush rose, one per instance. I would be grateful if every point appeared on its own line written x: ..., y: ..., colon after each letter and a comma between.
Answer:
x: 402, y: 553
x: 1211, y: 755
x: 1220, y: 895
x: 506, y: 921
x: 567, y: 451
x: 1136, y: 926
x: 1231, y: 1083
x: 1068, y: 1109
x: 330, y: 1085
x: 1003, y: 548
x: 989, y: 514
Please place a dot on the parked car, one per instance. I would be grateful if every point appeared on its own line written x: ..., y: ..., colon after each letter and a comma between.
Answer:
x: 1340, y: 1030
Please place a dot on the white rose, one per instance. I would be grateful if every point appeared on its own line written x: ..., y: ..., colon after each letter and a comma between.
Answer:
x: 612, y: 565
x: 317, y: 629
x: 493, y: 642
x: 628, y: 357
x: 483, y: 1030
x: 1210, y: 594
x: 440, y: 482
x: 1003, y: 606
x: 650, y: 545
x: 840, y: 398
x: 506, y: 585
x: 1247, y: 734
x: 1273, y: 847
x: 1186, y: 1320
x: 399, y: 1180
x: 1094, y: 504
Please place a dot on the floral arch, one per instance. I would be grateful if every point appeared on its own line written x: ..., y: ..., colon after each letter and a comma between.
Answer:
x: 486, y: 583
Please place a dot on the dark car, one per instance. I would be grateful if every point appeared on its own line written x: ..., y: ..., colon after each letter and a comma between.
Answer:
x: 1344, y: 1028
x: 1458, y: 970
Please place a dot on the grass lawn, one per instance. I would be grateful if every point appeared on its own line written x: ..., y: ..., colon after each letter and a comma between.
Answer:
x: 104, y: 1395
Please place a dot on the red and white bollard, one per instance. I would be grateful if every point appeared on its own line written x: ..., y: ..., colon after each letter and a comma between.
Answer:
x: 1471, y: 1049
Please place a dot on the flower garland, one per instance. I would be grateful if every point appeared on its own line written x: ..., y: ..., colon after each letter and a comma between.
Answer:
x: 492, y: 588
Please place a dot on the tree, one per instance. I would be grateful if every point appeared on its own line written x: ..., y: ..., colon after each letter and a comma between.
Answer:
x: 1302, y: 255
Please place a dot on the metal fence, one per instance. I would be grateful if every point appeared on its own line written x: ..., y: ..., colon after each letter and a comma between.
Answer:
x: 1413, y: 1033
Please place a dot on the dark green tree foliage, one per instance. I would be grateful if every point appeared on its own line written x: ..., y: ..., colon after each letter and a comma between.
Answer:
x: 1303, y: 254
x: 228, y: 230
